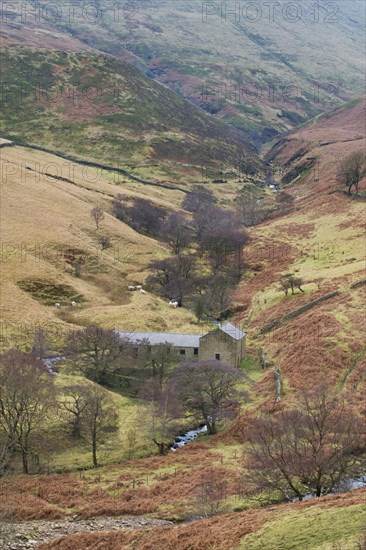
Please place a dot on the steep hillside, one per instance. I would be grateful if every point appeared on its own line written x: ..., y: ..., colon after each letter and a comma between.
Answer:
x: 260, y: 68
x: 309, y: 157
x: 46, y: 226
x: 323, y: 242
x: 96, y: 107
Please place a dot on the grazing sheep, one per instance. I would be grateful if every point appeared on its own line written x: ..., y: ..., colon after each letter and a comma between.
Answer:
x: 139, y: 287
x: 57, y: 305
x: 131, y: 287
x: 142, y: 291
x: 173, y: 304
x: 73, y: 304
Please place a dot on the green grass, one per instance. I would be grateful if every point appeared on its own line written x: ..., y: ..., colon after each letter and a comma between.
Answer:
x: 128, y: 117
x: 308, y: 529
x: 250, y: 365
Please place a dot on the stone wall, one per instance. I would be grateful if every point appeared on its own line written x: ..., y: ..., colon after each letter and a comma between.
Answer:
x: 231, y: 351
x: 298, y: 311
x: 147, y: 353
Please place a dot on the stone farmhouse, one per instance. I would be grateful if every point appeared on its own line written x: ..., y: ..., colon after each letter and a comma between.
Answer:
x: 225, y: 343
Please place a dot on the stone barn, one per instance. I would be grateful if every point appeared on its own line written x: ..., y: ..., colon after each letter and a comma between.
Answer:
x: 225, y: 343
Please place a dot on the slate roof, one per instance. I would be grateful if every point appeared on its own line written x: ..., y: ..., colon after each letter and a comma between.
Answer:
x: 176, y: 339
x: 232, y: 330
x: 179, y: 340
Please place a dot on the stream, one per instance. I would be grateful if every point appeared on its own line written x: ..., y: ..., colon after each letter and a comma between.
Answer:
x: 345, y: 486
x: 188, y: 437
x: 179, y: 441
x: 49, y: 362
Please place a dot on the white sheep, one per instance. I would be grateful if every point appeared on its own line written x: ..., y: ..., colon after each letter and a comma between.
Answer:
x: 173, y: 304
x: 57, y: 305
x: 142, y: 291
x: 139, y: 287
x: 131, y: 287
x: 73, y: 304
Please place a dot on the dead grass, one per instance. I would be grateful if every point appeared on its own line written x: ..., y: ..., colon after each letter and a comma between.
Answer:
x: 219, y: 533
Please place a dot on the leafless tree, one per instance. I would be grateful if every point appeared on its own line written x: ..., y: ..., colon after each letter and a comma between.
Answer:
x: 131, y: 442
x: 211, y: 493
x: 253, y: 209
x: 174, y: 230
x: 145, y: 217
x: 94, y: 351
x: 97, y: 215
x: 27, y: 398
x: 198, y: 198
x: 351, y: 170
x: 6, y: 451
x: 100, y: 418
x: 41, y: 343
x: 218, y: 296
x: 208, y: 389
x: 73, y: 405
x: 161, y: 362
x: 105, y: 242
x: 173, y: 277
x: 224, y: 244
x: 120, y: 209
x: 204, y: 220
x: 162, y: 409
x: 307, y: 450
x: 290, y: 281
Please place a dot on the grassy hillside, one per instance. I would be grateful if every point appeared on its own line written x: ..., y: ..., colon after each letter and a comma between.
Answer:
x: 322, y: 242
x: 35, y: 260
x: 96, y: 107
x: 260, y: 70
x: 46, y: 205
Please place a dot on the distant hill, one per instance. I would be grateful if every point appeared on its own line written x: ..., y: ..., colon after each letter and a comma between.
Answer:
x: 309, y: 156
x: 97, y: 107
x: 261, y: 68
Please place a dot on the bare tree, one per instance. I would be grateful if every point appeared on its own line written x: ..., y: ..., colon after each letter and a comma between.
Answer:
x: 104, y: 242
x: 97, y: 215
x: 307, y: 450
x: 208, y: 389
x: 131, y: 442
x: 41, y: 343
x: 6, y: 451
x: 27, y: 397
x: 94, y: 351
x: 120, y: 209
x: 146, y: 217
x: 218, y: 296
x: 161, y: 410
x: 74, y: 405
x: 222, y: 242
x: 174, y: 230
x: 199, y: 307
x: 100, y: 418
x: 198, y: 198
x: 253, y: 209
x: 290, y: 281
x: 173, y: 277
x: 161, y: 361
x: 211, y: 492
x: 351, y: 170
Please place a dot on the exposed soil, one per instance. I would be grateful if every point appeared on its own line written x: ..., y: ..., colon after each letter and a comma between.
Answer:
x: 19, y: 535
